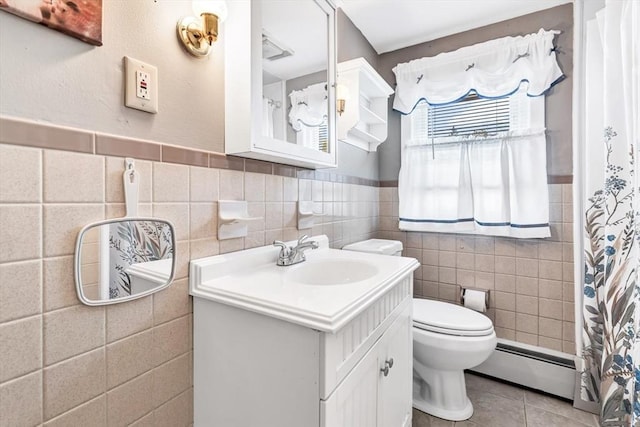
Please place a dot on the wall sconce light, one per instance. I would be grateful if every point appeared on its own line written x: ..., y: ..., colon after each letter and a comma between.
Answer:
x: 198, y: 33
x: 342, y: 96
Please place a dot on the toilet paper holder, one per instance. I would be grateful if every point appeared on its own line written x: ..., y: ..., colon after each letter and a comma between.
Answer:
x: 486, y: 295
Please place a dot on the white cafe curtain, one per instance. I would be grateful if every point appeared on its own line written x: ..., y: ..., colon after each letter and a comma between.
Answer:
x: 494, y: 186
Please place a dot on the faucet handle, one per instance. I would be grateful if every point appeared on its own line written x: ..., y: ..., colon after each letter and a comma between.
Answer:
x: 284, y: 249
x: 302, y: 239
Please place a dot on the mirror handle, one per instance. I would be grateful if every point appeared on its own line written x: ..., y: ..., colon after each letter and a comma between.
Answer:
x: 131, y: 181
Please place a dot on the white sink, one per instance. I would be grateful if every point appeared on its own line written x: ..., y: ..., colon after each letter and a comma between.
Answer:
x: 323, y: 293
x: 331, y: 272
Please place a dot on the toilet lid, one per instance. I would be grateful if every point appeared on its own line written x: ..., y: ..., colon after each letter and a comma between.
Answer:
x: 376, y: 246
x: 450, y: 319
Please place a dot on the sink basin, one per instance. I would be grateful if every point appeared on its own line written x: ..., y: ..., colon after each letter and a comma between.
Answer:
x: 323, y: 293
x: 327, y: 272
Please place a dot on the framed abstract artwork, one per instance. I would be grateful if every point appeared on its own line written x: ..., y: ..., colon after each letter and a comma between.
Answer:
x: 78, y: 18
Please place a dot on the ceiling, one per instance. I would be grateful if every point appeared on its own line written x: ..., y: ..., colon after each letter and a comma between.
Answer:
x: 394, y: 24
x: 305, y: 37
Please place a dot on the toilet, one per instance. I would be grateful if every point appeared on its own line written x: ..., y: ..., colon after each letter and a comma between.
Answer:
x: 447, y: 339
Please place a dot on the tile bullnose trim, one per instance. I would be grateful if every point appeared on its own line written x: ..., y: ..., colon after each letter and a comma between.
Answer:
x: 258, y: 166
x: 119, y: 146
x: 284, y: 170
x: 17, y: 131
x: 185, y: 156
x: 222, y: 161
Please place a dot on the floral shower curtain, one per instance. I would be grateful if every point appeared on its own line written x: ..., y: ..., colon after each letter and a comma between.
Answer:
x: 610, y: 353
x: 133, y: 243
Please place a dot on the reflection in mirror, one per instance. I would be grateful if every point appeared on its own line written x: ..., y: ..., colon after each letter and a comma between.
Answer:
x: 308, y: 116
x: 123, y: 259
x: 294, y: 72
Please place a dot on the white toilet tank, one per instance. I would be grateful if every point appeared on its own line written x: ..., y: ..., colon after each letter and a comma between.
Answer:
x: 376, y: 246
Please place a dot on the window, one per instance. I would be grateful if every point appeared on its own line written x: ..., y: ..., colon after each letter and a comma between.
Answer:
x: 469, y: 117
x: 323, y: 138
x: 476, y: 166
x: 474, y: 117
x: 316, y: 137
x: 477, y: 163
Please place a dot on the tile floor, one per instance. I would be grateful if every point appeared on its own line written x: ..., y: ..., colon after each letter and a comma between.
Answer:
x: 497, y: 404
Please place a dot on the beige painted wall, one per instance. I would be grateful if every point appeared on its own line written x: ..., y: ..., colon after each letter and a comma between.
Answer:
x: 53, y: 78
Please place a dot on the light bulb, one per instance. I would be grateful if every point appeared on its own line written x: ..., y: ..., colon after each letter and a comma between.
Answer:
x: 342, y: 92
x: 216, y: 7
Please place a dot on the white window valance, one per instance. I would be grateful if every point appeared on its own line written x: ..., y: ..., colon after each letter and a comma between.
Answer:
x: 492, y: 69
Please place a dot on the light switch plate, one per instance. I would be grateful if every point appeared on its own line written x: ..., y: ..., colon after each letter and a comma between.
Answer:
x: 141, y: 85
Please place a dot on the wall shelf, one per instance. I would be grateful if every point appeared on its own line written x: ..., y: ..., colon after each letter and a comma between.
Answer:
x: 369, y: 117
x: 363, y: 135
x: 364, y: 120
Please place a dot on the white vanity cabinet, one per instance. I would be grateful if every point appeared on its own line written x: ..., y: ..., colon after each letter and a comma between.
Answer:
x: 255, y: 370
x: 367, y: 397
x: 271, y: 352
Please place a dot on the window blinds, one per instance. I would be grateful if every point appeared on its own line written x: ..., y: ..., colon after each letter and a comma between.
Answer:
x: 473, y: 116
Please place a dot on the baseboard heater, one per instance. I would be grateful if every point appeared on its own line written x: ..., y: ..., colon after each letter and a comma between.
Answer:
x: 531, y: 366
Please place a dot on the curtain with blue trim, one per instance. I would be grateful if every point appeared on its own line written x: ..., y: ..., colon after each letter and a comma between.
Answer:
x: 491, y: 69
x: 483, y: 183
x: 609, y: 305
x: 493, y: 186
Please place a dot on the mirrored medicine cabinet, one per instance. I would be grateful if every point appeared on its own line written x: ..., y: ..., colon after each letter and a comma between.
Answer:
x: 280, y: 73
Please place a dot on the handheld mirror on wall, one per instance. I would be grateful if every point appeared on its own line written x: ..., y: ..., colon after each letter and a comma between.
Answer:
x: 121, y: 259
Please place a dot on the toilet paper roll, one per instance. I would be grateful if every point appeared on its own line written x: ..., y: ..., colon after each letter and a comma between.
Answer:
x: 475, y: 300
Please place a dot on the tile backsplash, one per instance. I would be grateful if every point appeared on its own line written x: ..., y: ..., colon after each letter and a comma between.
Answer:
x: 531, y: 280
x: 63, y: 363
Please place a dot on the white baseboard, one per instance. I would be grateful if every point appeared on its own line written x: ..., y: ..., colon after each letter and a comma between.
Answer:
x: 533, y: 367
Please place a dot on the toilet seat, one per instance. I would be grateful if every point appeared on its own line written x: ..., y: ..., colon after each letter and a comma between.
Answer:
x: 449, y: 319
x: 444, y: 331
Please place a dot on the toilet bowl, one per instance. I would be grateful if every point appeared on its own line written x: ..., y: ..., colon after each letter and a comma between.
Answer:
x: 447, y: 339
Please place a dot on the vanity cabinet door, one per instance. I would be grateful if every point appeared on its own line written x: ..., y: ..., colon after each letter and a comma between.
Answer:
x: 394, y: 390
x: 369, y: 398
x: 354, y: 402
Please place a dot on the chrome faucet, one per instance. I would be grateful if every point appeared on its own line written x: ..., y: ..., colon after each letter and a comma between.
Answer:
x: 294, y: 255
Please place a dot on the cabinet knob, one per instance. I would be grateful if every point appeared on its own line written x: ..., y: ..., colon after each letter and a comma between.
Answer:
x: 387, y: 364
x: 385, y: 370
